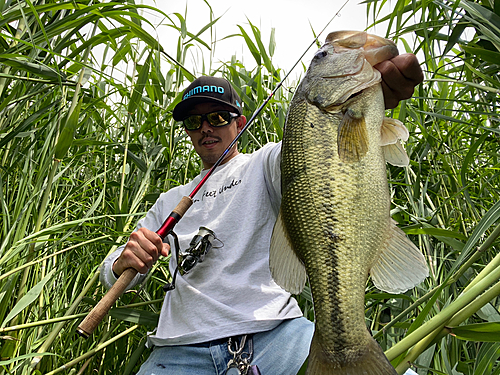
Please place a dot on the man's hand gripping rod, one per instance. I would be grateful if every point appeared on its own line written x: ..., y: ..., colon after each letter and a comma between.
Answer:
x: 96, y: 315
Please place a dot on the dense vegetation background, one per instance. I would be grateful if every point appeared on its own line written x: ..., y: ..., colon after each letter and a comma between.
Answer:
x: 87, y: 143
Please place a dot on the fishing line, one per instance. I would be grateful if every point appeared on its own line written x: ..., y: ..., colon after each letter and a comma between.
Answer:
x: 89, y: 324
x: 316, y: 39
x: 186, y: 202
x: 257, y: 112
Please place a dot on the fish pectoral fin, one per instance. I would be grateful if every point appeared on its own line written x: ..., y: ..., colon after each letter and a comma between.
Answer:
x: 396, y: 155
x: 352, y: 137
x: 400, y: 265
x: 391, y: 131
x: 287, y: 269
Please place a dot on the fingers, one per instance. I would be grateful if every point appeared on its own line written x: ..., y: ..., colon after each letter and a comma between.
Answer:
x: 165, y: 249
x: 141, y: 251
x: 400, y: 75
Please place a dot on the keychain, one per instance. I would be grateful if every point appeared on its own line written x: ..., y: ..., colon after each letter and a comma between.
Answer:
x: 240, y: 363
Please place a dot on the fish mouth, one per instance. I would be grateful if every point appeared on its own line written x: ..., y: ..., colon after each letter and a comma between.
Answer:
x: 354, y: 95
x: 342, y: 101
x: 376, y: 48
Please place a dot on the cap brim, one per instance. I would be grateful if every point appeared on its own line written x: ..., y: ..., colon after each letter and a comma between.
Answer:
x: 181, y: 109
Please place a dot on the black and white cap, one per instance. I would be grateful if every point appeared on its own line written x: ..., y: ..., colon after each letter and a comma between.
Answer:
x: 207, y: 89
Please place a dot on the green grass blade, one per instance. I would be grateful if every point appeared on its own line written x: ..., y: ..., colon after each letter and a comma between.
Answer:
x: 28, y: 298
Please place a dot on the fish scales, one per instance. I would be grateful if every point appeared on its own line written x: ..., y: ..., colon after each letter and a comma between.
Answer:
x: 321, y: 209
x: 335, y: 205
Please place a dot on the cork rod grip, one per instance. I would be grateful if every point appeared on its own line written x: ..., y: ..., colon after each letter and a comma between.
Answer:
x: 183, y: 206
x: 89, y: 324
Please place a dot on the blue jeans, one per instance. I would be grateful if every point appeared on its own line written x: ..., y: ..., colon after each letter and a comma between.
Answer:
x: 281, y: 351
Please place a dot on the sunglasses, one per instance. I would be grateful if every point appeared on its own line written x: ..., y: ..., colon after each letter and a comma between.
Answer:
x: 217, y: 118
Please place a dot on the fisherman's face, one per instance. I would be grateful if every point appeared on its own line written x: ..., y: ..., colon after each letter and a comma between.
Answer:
x: 211, y: 141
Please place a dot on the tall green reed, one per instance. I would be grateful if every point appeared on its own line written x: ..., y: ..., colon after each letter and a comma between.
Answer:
x: 126, y: 150
x: 117, y: 149
x: 449, y: 194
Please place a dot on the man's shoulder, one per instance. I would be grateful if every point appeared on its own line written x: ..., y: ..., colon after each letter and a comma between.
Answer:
x: 268, y: 148
x: 267, y: 154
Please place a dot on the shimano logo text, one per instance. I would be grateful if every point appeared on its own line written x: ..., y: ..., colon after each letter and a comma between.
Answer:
x: 202, y: 89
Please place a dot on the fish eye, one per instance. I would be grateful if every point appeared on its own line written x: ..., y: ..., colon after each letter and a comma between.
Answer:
x: 320, y: 54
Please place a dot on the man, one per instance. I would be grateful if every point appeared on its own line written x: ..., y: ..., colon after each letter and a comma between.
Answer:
x: 228, y: 309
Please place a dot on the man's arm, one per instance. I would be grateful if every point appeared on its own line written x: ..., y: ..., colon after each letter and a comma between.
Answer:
x: 400, y: 75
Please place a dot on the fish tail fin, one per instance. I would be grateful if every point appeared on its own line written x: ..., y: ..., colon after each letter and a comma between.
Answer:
x: 371, y: 362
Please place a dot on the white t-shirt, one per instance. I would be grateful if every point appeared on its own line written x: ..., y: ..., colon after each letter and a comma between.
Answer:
x: 231, y: 292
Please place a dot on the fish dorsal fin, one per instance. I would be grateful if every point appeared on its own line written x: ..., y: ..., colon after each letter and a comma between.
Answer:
x: 352, y: 137
x: 400, y: 265
x: 287, y: 269
x: 391, y: 132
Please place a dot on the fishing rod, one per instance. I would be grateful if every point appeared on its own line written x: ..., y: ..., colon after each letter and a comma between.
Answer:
x: 96, y: 315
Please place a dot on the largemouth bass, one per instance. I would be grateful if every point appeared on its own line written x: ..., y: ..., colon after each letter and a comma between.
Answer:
x: 334, y: 223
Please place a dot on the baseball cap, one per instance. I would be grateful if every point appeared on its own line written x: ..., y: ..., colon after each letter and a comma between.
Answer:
x: 207, y: 89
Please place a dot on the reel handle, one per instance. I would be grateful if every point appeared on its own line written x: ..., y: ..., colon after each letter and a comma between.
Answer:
x: 97, y: 314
